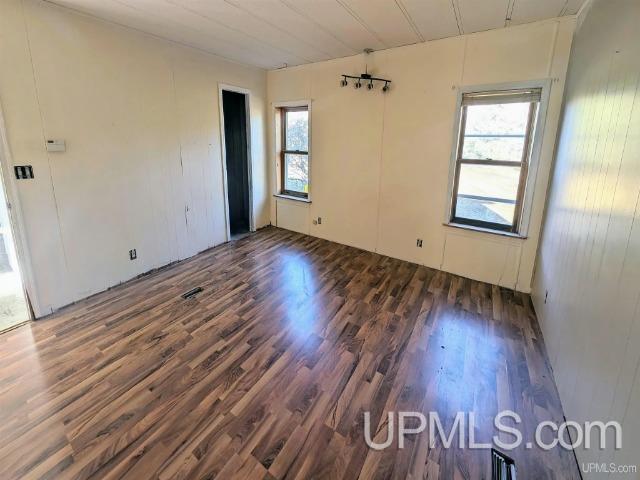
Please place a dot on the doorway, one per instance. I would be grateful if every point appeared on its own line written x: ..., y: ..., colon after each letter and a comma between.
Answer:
x: 13, y: 304
x: 13, y: 301
x: 237, y: 161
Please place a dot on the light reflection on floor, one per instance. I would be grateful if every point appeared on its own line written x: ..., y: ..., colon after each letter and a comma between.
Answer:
x: 299, y: 280
x: 36, y: 389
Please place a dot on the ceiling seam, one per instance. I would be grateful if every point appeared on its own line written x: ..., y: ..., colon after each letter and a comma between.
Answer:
x: 230, y: 42
x: 361, y: 22
x: 586, y: 4
x: 320, y: 26
x: 509, y: 14
x: 84, y: 13
x: 209, y: 19
x: 409, y: 19
x: 277, y: 27
x: 246, y: 55
x: 563, y: 10
x: 456, y: 13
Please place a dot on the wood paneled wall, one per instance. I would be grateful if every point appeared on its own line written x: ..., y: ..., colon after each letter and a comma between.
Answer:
x: 143, y: 164
x: 589, y: 261
x: 380, y: 162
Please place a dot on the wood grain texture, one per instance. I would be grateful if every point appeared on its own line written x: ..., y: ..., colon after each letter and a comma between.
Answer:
x: 267, y: 372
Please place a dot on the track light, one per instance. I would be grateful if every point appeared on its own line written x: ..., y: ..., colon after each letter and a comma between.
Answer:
x: 365, y: 78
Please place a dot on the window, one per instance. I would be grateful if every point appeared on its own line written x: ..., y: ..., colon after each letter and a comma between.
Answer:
x: 493, y: 151
x: 294, y: 152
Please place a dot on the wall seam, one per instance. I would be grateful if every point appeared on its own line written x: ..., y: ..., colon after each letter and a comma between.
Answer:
x: 380, y: 164
x: 176, y: 249
x: 552, y: 56
x: 42, y: 130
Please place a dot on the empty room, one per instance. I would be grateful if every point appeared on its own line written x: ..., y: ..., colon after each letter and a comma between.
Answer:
x: 320, y: 239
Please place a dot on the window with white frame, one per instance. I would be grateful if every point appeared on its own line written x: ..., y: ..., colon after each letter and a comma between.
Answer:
x: 294, y: 152
x: 494, y: 145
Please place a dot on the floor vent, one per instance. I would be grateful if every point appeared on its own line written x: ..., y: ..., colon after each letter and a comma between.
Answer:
x: 191, y: 293
x: 502, y: 467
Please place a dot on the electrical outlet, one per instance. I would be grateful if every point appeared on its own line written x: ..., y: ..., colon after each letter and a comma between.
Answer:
x: 319, y: 220
x: 419, y: 243
x: 133, y: 254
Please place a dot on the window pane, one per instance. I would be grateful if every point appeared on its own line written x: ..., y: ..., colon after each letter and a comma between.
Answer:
x: 296, y: 173
x: 495, y: 132
x: 493, y: 148
x: 487, y: 193
x: 505, y: 118
x: 297, y: 134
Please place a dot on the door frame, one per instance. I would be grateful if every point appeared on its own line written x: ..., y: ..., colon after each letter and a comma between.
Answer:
x: 17, y: 225
x: 247, y: 103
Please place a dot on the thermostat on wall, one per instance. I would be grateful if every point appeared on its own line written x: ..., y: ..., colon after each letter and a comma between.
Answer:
x: 56, y: 146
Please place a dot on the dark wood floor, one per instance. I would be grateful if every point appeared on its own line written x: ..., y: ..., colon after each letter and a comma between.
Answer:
x: 267, y: 373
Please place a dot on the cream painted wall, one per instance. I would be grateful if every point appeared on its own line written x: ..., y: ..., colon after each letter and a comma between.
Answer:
x: 143, y: 162
x: 380, y: 163
x: 589, y: 259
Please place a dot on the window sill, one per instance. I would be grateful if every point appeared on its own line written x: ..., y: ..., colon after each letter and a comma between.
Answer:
x: 292, y: 197
x: 462, y: 226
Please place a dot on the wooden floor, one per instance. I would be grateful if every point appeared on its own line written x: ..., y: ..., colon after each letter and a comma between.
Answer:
x: 267, y: 372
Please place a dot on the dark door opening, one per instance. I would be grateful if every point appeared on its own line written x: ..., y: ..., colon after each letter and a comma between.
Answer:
x: 235, y: 138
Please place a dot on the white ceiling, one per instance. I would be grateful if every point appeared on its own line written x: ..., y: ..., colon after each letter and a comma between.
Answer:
x: 272, y: 33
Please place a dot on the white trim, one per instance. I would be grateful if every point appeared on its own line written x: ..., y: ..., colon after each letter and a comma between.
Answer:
x: 536, y: 147
x: 293, y: 103
x: 484, y: 230
x: 247, y: 93
x: 292, y: 197
x: 17, y: 221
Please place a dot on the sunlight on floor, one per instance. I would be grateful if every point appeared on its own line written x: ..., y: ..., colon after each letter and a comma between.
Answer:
x: 13, y: 308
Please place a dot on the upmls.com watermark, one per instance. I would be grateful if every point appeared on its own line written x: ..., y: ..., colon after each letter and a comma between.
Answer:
x: 548, y: 434
x: 594, y: 467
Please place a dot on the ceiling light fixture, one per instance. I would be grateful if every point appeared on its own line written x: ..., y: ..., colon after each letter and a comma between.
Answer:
x: 367, y: 78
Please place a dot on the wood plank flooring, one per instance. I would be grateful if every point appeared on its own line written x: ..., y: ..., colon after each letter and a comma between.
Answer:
x: 267, y: 372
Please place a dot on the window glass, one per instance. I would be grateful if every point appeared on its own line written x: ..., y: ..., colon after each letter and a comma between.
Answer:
x: 296, y: 173
x: 495, y: 132
x: 487, y: 193
x: 297, y: 134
